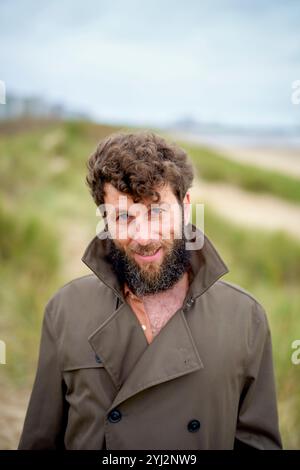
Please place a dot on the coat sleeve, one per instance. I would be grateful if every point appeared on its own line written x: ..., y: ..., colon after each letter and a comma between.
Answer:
x: 45, y: 418
x: 257, y: 422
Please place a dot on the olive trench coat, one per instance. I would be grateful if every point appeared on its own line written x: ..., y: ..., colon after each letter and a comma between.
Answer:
x: 205, y: 382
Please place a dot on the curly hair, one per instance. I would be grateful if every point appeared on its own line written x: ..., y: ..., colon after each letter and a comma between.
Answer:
x: 137, y: 164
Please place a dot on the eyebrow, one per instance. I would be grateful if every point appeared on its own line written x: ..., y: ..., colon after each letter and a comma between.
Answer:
x: 118, y: 210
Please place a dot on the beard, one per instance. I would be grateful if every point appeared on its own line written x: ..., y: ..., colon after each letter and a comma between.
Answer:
x: 151, y: 278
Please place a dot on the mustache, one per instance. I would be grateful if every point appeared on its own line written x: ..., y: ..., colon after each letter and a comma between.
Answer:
x: 146, y: 250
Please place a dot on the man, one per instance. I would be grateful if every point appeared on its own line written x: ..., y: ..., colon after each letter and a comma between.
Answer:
x: 152, y: 350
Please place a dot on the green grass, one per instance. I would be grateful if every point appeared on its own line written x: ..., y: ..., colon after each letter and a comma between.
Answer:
x: 29, y: 264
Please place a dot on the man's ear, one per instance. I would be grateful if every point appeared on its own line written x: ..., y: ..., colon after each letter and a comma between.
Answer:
x: 187, y: 207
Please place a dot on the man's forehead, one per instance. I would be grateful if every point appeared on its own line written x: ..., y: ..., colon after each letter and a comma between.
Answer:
x: 118, y: 199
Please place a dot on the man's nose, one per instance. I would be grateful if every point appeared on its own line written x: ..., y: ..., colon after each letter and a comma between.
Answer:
x: 142, y: 232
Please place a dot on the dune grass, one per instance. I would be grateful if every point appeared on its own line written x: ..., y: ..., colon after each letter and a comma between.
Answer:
x: 29, y: 264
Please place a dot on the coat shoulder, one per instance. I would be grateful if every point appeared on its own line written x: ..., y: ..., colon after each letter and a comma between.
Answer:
x: 237, y: 290
x: 83, y: 294
x: 79, y: 285
x: 73, y: 313
x: 241, y: 300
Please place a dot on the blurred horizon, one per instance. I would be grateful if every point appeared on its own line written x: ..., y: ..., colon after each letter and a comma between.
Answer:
x: 35, y: 108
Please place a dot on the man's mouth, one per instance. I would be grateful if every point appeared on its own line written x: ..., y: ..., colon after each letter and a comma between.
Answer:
x: 153, y: 257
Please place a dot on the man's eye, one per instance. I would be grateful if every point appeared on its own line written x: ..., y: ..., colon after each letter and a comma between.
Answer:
x: 122, y: 217
x: 156, y: 210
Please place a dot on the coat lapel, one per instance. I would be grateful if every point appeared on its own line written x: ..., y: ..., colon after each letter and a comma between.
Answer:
x: 119, y: 341
x: 171, y: 354
x: 132, y: 363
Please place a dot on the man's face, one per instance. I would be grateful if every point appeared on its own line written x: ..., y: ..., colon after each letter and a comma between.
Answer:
x: 147, y: 243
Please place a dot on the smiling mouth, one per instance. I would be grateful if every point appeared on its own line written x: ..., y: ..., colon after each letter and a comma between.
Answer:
x: 149, y: 257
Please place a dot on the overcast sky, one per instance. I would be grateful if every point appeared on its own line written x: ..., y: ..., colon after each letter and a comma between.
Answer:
x: 156, y: 61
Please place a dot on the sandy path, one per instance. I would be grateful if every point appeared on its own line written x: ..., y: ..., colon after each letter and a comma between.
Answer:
x: 284, y: 161
x: 248, y: 209
x: 75, y: 239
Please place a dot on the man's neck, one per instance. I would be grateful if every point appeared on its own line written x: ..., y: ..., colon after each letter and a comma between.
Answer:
x: 162, y: 306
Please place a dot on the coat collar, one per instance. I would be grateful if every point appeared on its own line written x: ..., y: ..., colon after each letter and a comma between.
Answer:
x: 132, y: 363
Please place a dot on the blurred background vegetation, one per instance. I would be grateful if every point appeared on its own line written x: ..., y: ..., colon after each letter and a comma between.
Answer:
x: 47, y: 218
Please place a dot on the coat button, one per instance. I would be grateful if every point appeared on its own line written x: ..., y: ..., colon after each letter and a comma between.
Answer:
x: 114, y: 416
x: 98, y: 359
x: 193, y: 425
x: 188, y: 304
